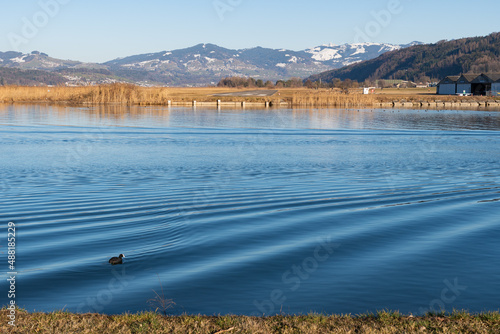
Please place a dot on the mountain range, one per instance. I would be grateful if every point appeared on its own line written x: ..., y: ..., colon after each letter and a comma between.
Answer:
x: 198, y: 65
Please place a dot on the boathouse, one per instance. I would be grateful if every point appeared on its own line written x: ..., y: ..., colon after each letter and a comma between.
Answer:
x: 482, y: 84
x: 464, y: 83
x: 495, y: 86
x: 448, y: 86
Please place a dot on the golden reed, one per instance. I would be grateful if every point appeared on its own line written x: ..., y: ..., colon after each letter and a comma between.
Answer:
x: 330, y: 98
x: 115, y: 93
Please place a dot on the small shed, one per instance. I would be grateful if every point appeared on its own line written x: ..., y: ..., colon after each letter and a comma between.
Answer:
x: 448, y: 86
x: 464, y: 83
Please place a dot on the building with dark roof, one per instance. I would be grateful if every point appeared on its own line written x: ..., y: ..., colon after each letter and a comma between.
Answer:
x: 482, y: 84
x: 495, y: 86
x: 448, y: 86
x: 464, y: 83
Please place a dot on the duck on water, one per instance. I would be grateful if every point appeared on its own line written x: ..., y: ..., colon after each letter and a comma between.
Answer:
x: 116, y: 260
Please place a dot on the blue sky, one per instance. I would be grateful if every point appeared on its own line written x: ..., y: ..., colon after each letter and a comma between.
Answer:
x: 98, y: 31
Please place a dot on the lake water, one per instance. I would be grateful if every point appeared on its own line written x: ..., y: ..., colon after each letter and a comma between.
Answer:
x: 251, y: 211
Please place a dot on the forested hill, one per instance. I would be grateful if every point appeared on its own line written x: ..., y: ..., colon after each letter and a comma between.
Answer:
x: 467, y: 55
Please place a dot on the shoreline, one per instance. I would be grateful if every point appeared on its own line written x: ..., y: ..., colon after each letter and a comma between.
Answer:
x: 150, y: 322
x: 129, y: 95
x: 395, y: 105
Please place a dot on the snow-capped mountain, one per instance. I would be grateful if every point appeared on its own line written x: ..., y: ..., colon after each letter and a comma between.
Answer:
x: 347, y: 54
x: 214, y: 57
x: 205, y: 63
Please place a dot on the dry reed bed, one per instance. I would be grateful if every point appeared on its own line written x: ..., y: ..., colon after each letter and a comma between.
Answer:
x: 126, y: 94
x: 133, y: 95
x: 115, y: 93
x: 322, y: 98
x: 383, y: 322
x: 123, y: 94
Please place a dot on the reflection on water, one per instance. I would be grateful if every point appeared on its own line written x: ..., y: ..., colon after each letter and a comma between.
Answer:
x: 338, y: 211
x: 137, y: 116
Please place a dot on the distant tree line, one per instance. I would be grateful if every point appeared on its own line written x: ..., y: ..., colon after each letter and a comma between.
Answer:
x: 242, y: 82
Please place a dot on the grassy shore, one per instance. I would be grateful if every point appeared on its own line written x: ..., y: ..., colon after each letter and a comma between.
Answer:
x: 124, y: 94
x: 382, y: 322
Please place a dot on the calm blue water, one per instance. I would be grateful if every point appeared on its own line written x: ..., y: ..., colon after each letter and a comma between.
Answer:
x: 252, y: 212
